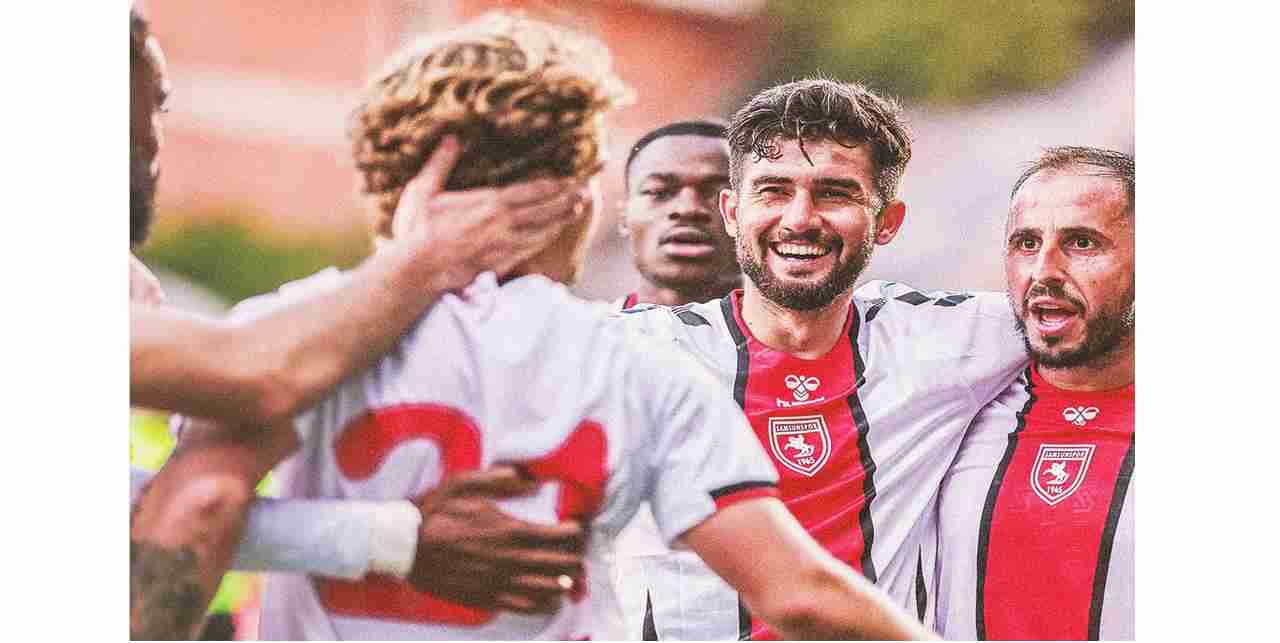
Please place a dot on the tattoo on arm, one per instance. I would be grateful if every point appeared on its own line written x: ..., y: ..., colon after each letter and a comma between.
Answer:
x: 164, y: 597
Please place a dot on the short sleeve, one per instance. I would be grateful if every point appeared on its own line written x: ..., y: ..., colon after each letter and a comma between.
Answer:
x: 704, y: 455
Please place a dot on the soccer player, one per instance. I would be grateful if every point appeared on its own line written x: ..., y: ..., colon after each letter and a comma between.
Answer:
x: 521, y: 372
x: 262, y: 372
x: 674, y: 175
x: 1036, y: 528
x: 860, y: 399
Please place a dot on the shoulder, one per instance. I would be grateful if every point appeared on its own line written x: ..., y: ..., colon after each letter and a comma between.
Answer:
x: 701, y: 329
x: 902, y: 301
x: 328, y: 279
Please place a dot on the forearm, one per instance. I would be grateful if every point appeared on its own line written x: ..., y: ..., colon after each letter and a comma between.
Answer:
x: 335, y: 538
x: 791, y: 582
x: 266, y: 370
x: 837, y: 603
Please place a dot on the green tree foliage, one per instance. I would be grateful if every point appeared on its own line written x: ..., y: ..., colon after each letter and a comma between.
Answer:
x: 236, y: 261
x: 943, y: 51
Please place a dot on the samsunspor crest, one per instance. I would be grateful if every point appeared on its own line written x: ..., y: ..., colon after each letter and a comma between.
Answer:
x: 801, y: 443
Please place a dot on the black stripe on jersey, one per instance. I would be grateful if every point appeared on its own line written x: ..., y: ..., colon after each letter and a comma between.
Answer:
x: 739, y: 486
x: 922, y: 594
x: 649, y: 631
x: 744, y: 621
x: 868, y: 464
x: 984, y: 528
x: 744, y: 356
x: 1108, y: 539
x: 739, y: 396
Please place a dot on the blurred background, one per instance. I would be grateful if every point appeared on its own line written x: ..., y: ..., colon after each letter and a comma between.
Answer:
x: 258, y: 187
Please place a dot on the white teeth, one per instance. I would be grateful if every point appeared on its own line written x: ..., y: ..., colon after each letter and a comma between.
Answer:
x: 797, y: 250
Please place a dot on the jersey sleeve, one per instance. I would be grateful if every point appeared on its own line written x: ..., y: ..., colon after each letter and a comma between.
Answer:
x: 974, y: 330
x: 704, y: 455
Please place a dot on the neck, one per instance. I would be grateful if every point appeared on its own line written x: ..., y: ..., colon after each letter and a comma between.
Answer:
x: 1111, y: 371
x: 557, y: 270
x: 807, y: 334
x: 651, y: 293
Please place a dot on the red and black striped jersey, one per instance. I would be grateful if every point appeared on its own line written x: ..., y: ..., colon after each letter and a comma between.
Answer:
x: 1036, y: 523
x: 861, y: 438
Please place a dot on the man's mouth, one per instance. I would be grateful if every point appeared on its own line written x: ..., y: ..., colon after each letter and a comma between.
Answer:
x: 689, y: 243
x: 800, y: 251
x: 1051, y: 317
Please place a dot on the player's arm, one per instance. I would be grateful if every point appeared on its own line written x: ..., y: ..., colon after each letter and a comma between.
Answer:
x: 453, y: 542
x: 790, y: 582
x: 188, y: 520
x: 265, y: 370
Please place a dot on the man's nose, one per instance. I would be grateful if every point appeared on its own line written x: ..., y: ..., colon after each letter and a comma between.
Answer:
x: 688, y: 204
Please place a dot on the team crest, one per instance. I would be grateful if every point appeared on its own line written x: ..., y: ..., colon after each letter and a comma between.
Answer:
x: 1059, y: 470
x: 801, y: 443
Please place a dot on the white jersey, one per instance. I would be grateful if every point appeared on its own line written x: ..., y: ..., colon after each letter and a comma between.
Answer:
x: 523, y: 373
x: 861, y: 438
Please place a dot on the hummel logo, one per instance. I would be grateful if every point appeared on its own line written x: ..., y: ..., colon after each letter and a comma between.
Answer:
x: 1078, y: 415
x: 801, y: 385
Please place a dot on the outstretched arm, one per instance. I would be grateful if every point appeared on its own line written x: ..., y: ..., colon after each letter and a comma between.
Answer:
x: 264, y: 371
x: 790, y: 582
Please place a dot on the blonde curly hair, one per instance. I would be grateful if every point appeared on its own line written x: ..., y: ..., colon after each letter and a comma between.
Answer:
x: 526, y: 99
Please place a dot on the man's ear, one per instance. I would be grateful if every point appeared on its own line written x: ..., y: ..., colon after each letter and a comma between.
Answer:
x: 729, y: 211
x: 890, y: 220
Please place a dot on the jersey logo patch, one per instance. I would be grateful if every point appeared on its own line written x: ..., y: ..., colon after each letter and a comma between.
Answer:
x: 1079, y: 415
x: 801, y: 386
x: 800, y: 443
x: 1060, y: 470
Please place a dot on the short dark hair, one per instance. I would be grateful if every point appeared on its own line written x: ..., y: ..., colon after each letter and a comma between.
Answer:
x: 1101, y: 162
x: 702, y: 127
x: 816, y: 109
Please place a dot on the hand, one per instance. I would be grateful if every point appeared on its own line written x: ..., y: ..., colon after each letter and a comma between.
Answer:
x: 463, y: 233
x: 144, y: 288
x: 472, y: 553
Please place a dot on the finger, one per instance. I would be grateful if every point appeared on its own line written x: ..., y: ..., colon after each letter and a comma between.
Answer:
x: 500, y: 481
x: 555, y: 212
x: 551, y: 562
x: 435, y: 173
x: 565, y: 536
x: 541, y: 586
x: 535, y: 191
x: 526, y: 605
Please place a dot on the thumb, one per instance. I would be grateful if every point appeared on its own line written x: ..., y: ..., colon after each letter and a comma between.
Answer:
x: 435, y: 172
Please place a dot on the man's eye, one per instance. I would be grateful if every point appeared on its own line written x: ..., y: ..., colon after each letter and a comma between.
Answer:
x: 1083, y: 243
x: 1027, y: 243
x: 656, y: 192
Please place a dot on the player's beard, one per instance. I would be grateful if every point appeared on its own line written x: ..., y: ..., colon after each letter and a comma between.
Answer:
x: 142, y: 195
x: 1104, y: 331
x: 804, y: 296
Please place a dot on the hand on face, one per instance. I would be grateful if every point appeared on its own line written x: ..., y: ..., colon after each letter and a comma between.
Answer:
x: 466, y: 232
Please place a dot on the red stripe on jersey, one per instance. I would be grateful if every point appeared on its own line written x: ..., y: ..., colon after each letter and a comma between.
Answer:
x: 1048, y: 522
x: 631, y: 300
x: 763, y: 490
x: 803, y: 412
